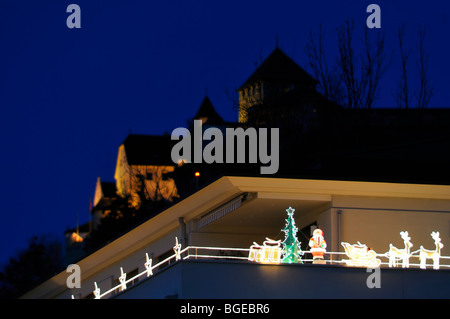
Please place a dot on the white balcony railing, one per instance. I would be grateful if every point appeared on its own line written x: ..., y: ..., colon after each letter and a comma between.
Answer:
x: 222, y: 253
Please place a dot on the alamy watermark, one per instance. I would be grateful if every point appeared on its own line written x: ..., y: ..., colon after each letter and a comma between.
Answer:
x: 191, y: 149
x: 374, y: 279
x: 74, y: 279
x: 73, y: 21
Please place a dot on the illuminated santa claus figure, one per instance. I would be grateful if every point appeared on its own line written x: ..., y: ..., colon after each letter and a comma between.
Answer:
x: 318, y: 246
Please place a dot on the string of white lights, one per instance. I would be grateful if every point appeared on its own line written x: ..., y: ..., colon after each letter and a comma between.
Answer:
x: 216, y: 257
x: 217, y: 248
x: 178, y: 252
x: 145, y: 272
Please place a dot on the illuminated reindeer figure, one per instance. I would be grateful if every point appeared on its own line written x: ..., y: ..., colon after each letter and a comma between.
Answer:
x: 431, y: 254
x: 403, y: 254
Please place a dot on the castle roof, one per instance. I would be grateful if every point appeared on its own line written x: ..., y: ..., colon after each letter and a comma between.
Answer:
x: 148, y: 149
x: 279, y: 68
x: 208, y: 111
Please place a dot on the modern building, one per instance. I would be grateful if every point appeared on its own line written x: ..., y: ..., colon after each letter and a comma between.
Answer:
x: 216, y: 227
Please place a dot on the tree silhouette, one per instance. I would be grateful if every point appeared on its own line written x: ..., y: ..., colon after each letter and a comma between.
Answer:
x: 329, y: 79
x: 41, y: 260
x: 402, y: 93
x: 123, y: 214
x: 425, y: 91
x: 354, y: 80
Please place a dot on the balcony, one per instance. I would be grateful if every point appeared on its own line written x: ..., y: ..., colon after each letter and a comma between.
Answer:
x: 226, y: 273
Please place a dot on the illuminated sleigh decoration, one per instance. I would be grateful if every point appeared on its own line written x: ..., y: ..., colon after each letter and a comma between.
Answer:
x: 360, y: 256
x: 269, y: 253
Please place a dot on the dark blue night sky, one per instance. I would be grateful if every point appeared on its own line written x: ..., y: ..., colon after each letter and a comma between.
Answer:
x: 69, y: 97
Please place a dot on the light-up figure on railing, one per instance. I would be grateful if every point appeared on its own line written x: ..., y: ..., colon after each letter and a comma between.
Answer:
x: 434, y: 255
x: 148, y: 265
x: 96, y: 291
x: 291, y: 245
x: 123, y: 280
x: 177, y: 249
x: 269, y: 253
x: 403, y: 254
x: 360, y: 256
x: 318, y: 246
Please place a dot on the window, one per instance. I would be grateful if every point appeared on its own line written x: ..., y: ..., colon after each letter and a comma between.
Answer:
x: 115, y: 283
x: 305, y: 234
x: 130, y: 275
x: 165, y: 256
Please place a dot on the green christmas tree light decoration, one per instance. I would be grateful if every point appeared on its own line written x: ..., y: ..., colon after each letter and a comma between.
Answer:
x: 291, y: 245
